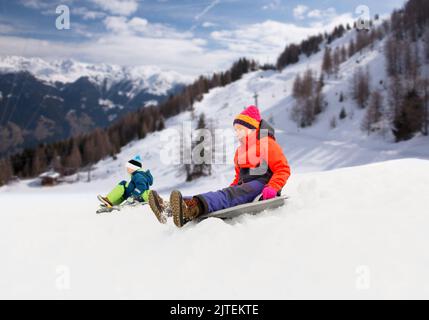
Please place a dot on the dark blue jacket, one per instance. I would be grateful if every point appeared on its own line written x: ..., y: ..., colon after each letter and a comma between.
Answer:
x: 140, y: 182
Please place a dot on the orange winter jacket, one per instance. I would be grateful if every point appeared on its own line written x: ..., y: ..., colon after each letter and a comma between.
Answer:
x: 265, y: 155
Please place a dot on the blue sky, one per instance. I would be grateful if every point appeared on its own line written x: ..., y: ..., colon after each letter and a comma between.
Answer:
x: 188, y: 36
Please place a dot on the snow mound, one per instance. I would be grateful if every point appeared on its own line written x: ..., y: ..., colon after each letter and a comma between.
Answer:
x: 358, y: 232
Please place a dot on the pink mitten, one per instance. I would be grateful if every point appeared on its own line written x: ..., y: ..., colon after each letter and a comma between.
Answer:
x: 269, y: 193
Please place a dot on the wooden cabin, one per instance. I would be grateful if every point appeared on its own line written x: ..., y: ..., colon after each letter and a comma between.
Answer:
x: 49, y: 179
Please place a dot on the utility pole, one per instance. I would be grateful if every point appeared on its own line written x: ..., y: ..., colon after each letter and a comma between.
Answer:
x: 256, y: 96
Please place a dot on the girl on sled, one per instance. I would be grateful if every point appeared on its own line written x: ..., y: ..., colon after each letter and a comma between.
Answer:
x: 260, y: 168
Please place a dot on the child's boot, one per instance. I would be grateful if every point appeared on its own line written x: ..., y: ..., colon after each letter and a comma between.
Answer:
x: 104, y: 201
x: 159, y: 206
x: 184, y: 210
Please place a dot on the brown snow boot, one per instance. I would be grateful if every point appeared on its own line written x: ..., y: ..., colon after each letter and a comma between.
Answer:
x: 159, y: 207
x: 193, y: 209
x: 184, y: 210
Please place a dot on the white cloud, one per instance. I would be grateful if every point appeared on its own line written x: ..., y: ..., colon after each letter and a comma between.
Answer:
x: 319, y: 14
x: 273, y: 5
x: 299, y: 11
x: 315, y: 14
x: 209, y: 24
x: 321, y: 18
x: 139, y: 23
x: 87, y: 14
x: 5, y: 28
x: 136, y: 41
x: 33, y: 4
x: 132, y: 42
x: 262, y: 40
x: 141, y: 27
x: 119, y: 7
x: 117, y: 24
x: 329, y: 24
x: 267, y: 39
x: 44, y: 4
x: 324, y: 20
x: 187, y: 56
x: 82, y: 29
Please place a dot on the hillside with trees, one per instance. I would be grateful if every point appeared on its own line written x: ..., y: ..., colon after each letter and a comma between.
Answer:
x: 401, y: 103
x: 81, y: 152
x: 395, y: 103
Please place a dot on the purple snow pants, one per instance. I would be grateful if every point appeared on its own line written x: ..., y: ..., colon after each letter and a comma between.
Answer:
x: 231, y: 197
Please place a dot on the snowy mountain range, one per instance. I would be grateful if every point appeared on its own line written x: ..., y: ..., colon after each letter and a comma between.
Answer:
x: 45, y: 101
x: 149, y: 78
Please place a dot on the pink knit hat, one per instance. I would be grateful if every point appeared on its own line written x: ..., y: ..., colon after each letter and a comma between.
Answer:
x: 250, y: 118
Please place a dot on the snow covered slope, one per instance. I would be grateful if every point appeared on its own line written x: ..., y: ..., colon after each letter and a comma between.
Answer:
x: 350, y: 233
x: 355, y: 226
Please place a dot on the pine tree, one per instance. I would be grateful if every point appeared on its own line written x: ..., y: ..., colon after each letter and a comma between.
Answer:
x: 424, y: 84
x: 102, y: 145
x: 361, y: 87
x: 352, y: 48
x: 411, y: 63
x: 161, y: 124
x: 343, y: 54
x: 73, y: 161
x: 321, y: 82
x: 6, y: 171
x: 296, y: 89
x: 115, y: 139
x: 426, y: 45
x: 327, y: 64
x: 318, y: 102
x: 289, y: 56
x: 308, y: 84
x: 409, y: 119
x: 392, y: 59
x: 343, y: 114
x: 363, y: 39
x: 309, y: 99
x: 395, y: 96
x: 373, y: 113
x: 336, y: 61
x: 341, y: 100
x: 38, y: 163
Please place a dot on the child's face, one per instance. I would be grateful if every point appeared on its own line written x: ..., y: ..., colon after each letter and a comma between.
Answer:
x: 130, y: 171
x: 241, y: 132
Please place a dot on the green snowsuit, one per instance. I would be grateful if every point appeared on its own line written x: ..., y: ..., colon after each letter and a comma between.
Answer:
x: 138, y: 188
